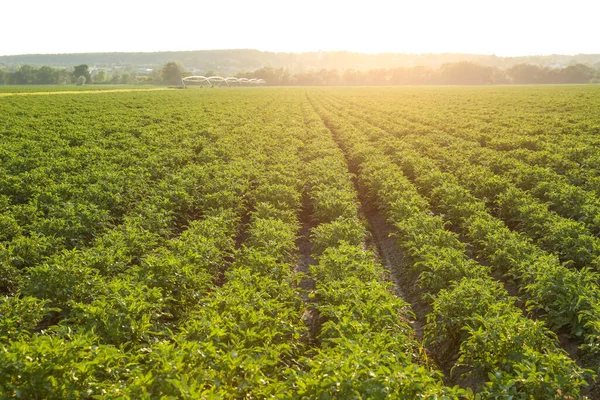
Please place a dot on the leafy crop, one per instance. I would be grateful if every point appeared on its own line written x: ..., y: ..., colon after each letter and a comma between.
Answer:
x: 214, y: 243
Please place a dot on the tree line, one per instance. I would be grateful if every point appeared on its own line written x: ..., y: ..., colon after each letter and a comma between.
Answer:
x: 240, y: 60
x: 458, y: 73
x: 79, y: 75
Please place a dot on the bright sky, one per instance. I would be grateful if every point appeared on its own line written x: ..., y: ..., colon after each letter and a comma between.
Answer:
x: 505, y: 28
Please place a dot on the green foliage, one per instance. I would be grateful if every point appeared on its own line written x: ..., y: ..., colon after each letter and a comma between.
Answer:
x: 171, y: 73
x: 64, y: 281
x: 20, y: 316
x: 64, y: 366
x: 151, y: 243
x: 127, y: 312
x: 454, y: 284
x: 520, y: 352
x: 455, y: 308
x: 80, y: 71
x: 338, y: 232
x: 353, y: 370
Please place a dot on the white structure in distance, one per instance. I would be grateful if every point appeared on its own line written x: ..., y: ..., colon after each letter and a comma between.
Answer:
x: 212, y: 81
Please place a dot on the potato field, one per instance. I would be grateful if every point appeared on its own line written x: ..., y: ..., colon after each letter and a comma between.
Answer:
x: 301, y: 243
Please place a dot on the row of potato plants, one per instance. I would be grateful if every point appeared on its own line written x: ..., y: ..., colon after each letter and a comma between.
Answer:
x: 68, y: 183
x: 523, y: 122
x: 106, y: 323
x: 96, y: 320
x: 182, y: 194
x: 366, y: 346
x: 507, y: 118
x: 473, y: 324
x: 249, y: 332
x: 563, y: 197
x: 564, y: 297
x: 579, y: 170
x: 570, y: 239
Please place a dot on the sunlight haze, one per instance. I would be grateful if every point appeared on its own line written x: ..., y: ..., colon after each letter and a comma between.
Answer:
x: 507, y: 28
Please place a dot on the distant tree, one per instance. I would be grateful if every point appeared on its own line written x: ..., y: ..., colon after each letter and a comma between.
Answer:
x: 126, y: 78
x: 115, y: 77
x: 272, y: 76
x: 308, y: 78
x: 144, y: 80
x: 332, y: 77
x: 62, y: 76
x: 46, y: 75
x: 353, y: 77
x: 420, y: 75
x: 410, y: 76
x: 10, y: 78
x: 499, y: 76
x: 80, y: 81
x: 465, y: 73
x: 25, y: 75
x: 2, y: 75
x: 100, y: 77
x: 82, y: 70
x: 526, y: 73
x: 399, y: 76
x: 171, y: 73
x: 155, y: 76
x: 596, y: 78
x: 577, y: 73
x: 378, y: 77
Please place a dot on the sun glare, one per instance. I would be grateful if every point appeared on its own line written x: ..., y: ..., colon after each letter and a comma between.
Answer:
x: 510, y: 27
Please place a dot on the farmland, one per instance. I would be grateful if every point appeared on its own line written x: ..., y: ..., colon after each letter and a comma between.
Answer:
x: 417, y: 242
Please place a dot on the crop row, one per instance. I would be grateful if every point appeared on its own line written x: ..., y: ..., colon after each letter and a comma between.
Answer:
x: 570, y: 239
x: 525, y: 124
x: 70, y: 185
x: 366, y: 347
x: 565, y: 297
x: 104, y: 318
x: 564, y: 198
x: 474, y: 324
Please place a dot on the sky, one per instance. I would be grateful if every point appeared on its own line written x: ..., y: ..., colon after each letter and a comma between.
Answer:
x: 504, y: 28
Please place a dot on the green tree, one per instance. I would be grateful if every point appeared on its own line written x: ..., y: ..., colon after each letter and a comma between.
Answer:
x: 577, y: 73
x: 62, y: 76
x: 100, y: 76
x: 46, y: 75
x: 82, y: 70
x: 466, y: 73
x: 155, y: 76
x: 127, y: 78
x: 25, y: 75
x: 171, y: 73
x: 115, y: 77
x: 10, y: 78
x: 526, y: 73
